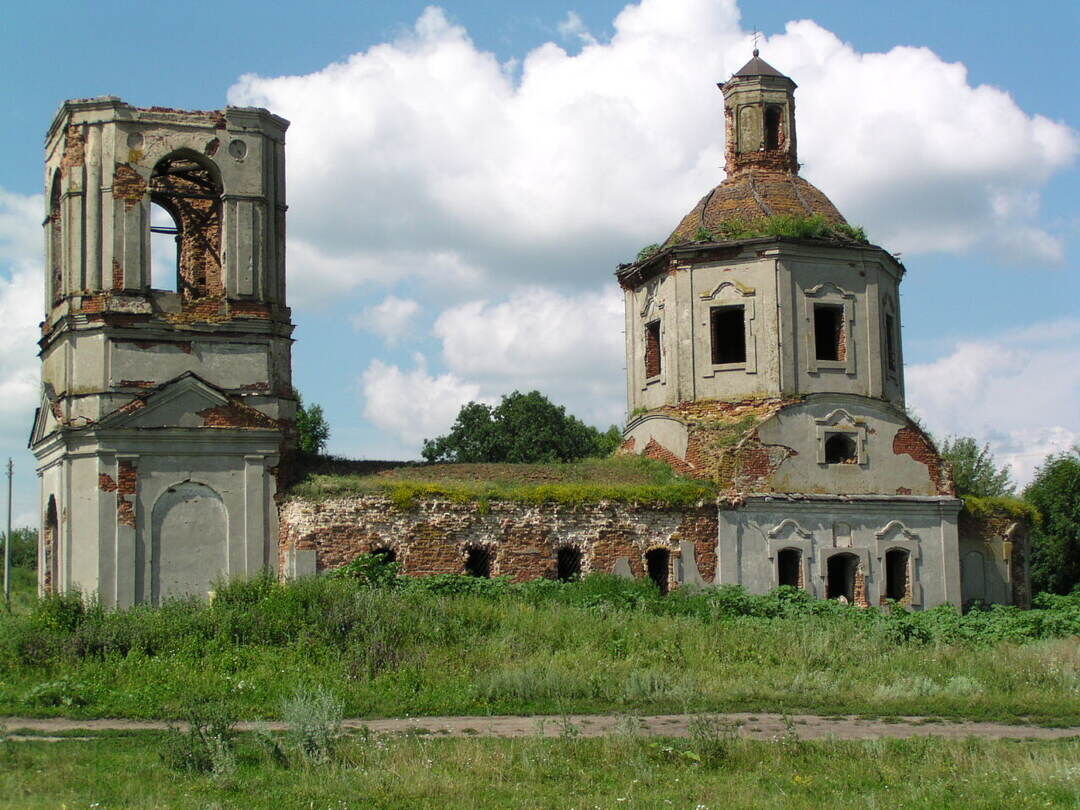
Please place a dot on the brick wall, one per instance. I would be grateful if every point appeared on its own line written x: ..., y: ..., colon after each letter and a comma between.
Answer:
x: 524, y: 539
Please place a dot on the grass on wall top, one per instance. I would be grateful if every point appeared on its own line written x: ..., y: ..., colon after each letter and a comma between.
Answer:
x: 622, y: 479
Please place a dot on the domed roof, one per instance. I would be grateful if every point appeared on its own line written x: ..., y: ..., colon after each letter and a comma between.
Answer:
x: 752, y: 195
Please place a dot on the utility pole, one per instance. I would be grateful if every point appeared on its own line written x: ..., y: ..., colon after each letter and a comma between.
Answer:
x: 7, y: 538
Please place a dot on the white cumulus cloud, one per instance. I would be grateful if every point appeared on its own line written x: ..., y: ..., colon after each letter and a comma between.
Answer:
x: 391, y: 319
x: 550, y: 172
x: 21, y: 308
x: 1018, y: 391
x: 413, y: 405
x: 569, y: 347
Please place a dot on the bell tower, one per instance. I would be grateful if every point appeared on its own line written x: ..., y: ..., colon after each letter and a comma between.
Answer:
x: 167, y: 402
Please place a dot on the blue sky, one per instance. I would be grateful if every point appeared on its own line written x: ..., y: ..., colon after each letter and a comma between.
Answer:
x: 464, y: 182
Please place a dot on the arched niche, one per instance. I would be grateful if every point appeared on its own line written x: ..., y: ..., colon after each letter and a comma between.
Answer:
x: 189, y: 544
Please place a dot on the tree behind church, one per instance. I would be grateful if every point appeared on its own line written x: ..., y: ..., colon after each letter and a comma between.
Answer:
x: 1055, y: 492
x: 974, y: 470
x: 523, y: 428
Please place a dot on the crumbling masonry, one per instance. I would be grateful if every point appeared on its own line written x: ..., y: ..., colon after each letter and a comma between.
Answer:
x: 165, y: 413
x: 772, y: 366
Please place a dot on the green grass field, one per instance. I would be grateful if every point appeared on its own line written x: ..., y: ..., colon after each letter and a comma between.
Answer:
x: 460, y: 645
x: 611, y: 772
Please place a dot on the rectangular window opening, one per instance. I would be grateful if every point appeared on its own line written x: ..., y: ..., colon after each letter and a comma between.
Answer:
x: 728, y: 335
x: 652, y: 349
x: 890, y: 342
x: 830, y: 340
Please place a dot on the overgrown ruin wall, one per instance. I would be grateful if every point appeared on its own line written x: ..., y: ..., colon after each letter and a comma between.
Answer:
x: 523, y: 540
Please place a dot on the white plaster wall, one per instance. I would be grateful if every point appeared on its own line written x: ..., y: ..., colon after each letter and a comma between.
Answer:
x: 750, y: 536
x: 874, y: 423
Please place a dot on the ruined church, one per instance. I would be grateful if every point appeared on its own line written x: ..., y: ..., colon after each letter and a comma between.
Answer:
x: 769, y: 364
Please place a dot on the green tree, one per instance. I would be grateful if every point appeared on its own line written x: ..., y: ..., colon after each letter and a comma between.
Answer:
x: 522, y: 428
x: 312, y: 431
x: 1055, y: 492
x: 23, y: 547
x: 974, y: 470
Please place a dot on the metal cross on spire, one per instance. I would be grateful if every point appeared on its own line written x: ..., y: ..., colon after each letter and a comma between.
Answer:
x: 757, y: 36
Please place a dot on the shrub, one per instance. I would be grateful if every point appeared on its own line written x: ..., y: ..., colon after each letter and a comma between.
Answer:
x: 314, y: 717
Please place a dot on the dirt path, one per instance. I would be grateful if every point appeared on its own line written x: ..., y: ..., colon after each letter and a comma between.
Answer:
x: 758, y: 726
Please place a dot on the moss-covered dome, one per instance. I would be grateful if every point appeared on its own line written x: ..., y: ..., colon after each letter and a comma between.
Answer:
x: 753, y: 195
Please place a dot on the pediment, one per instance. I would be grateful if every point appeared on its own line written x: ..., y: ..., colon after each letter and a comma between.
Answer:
x: 178, y: 403
x: 46, y: 417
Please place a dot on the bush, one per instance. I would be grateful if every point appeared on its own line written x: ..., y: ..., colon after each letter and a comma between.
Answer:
x: 314, y: 717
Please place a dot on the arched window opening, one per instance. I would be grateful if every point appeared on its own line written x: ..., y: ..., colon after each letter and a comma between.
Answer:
x: 56, y: 250
x: 49, y: 547
x: 772, y: 127
x: 840, y: 448
x: 840, y: 578
x: 658, y: 563
x: 478, y: 562
x: 188, y: 189
x: 568, y: 563
x: 385, y: 555
x: 896, y: 574
x: 164, y: 249
x: 789, y: 567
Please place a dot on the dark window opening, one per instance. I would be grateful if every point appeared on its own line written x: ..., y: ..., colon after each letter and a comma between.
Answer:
x: 829, y: 337
x: 896, y: 574
x: 478, y: 562
x: 840, y: 448
x: 652, y: 349
x: 164, y: 249
x: 788, y: 565
x: 49, y: 547
x: 568, y: 564
x: 728, y: 335
x: 385, y: 555
x: 890, y: 342
x: 657, y: 562
x: 56, y: 253
x: 772, y: 127
x: 840, y: 579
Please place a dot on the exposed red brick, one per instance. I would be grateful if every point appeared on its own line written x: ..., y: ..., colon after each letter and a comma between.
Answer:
x: 106, y: 483
x: 652, y: 349
x: 74, y: 148
x: 117, y: 275
x: 128, y: 185
x: 235, y: 415
x: 903, y: 491
x: 657, y: 451
x: 182, y: 345
x: 126, y: 484
x: 434, y: 538
x: 137, y: 383
x: 779, y: 159
x: 913, y: 442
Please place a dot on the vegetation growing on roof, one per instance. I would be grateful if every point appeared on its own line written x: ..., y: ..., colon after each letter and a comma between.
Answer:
x: 625, y: 479
x: 814, y: 226
x: 1002, y: 506
x: 648, y: 252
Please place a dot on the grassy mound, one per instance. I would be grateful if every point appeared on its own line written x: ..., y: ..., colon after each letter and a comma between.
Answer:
x: 619, y: 478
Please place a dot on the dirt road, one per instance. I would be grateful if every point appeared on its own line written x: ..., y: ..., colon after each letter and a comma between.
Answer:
x: 757, y: 726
